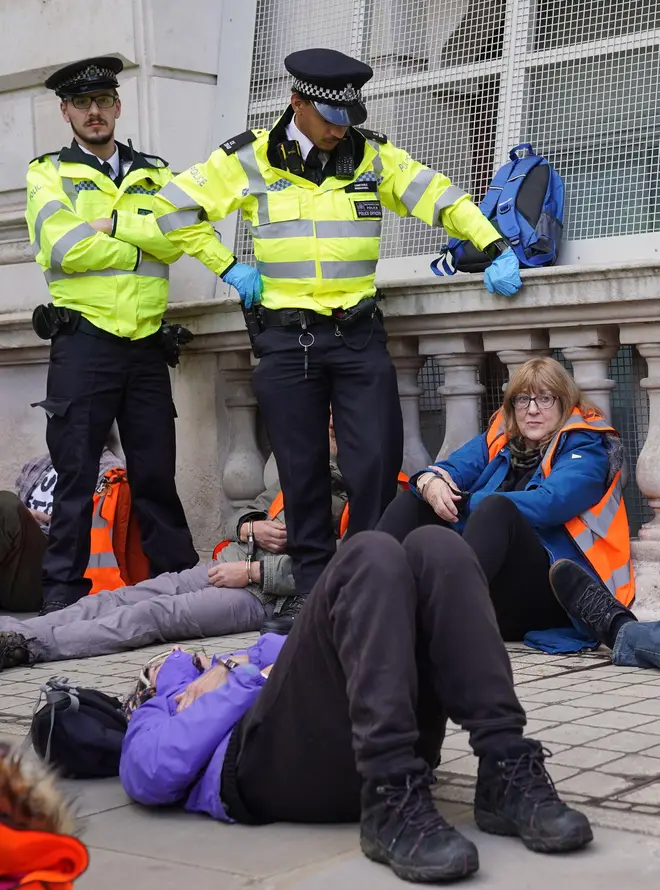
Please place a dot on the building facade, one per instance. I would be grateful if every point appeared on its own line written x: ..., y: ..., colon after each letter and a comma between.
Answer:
x: 458, y: 84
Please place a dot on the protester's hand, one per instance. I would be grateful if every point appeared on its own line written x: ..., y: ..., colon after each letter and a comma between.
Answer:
x: 102, y: 225
x: 439, y: 496
x: 41, y: 517
x: 269, y: 535
x: 212, y: 679
x: 229, y: 574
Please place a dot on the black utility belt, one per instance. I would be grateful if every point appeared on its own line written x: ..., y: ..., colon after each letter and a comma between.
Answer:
x: 306, y: 318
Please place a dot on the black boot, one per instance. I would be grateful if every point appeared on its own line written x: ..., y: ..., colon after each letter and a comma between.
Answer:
x: 283, y: 621
x: 55, y: 606
x: 402, y: 828
x: 588, y: 601
x: 515, y: 796
x: 14, y: 650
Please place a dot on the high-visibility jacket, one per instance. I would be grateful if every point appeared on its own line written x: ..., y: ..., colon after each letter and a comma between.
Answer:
x: 115, y: 285
x: 316, y: 246
x: 601, y: 533
x: 41, y: 860
x: 116, y: 558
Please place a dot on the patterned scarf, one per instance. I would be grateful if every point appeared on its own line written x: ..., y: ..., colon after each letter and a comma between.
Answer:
x: 522, y: 457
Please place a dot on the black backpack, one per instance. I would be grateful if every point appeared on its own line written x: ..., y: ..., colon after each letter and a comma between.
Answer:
x: 79, y: 730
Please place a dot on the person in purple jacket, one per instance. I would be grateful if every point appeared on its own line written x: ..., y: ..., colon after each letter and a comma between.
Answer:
x: 395, y: 637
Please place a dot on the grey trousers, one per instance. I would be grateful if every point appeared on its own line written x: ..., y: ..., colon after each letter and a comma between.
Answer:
x: 172, y: 606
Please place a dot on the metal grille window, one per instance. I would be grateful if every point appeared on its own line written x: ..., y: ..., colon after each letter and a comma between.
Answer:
x: 459, y: 84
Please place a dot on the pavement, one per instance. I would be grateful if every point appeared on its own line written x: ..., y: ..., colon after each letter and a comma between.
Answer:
x: 601, y: 722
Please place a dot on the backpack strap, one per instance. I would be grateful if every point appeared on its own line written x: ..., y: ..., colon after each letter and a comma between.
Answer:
x: 511, y: 224
x: 56, y: 690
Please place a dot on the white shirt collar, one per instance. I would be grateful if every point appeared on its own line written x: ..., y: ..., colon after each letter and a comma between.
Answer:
x: 113, y: 161
x: 305, y: 143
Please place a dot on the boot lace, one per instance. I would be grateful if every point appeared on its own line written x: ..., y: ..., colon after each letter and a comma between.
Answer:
x: 414, y: 804
x: 528, y: 774
x: 595, y: 605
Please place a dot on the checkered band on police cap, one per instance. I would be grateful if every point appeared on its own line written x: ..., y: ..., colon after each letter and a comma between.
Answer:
x: 91, y: 72
x: 347, y: 95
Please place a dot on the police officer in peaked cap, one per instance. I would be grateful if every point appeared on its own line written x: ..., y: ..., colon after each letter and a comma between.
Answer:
x: 311, y: 191
x: 106, y: 264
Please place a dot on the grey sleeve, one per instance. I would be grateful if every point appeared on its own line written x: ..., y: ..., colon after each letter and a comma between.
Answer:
x: 258, y: 509
x: 276, y: 575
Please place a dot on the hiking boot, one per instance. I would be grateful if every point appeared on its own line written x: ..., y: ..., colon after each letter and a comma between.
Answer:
x: 515, y: 796
x: 14, y: 650
x: 55, y: 606
x: 282, y: 623
x: 588, y: 601
x: 402, y: 828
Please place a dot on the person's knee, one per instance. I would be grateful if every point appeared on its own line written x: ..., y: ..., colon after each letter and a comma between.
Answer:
x: 496, y: 506
x: 443, y: 544
x: 376, y: 549
x: 11, y: 508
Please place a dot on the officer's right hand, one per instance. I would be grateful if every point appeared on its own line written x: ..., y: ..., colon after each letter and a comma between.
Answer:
x: 247, y: 281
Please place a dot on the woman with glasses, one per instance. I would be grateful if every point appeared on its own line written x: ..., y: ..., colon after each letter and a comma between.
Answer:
x: 542, y: 484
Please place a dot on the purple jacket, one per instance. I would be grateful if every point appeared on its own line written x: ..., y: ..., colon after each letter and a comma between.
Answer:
x: 170, y: 758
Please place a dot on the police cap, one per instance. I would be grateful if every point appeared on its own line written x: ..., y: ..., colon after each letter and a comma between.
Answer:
x: 86, y: 76
x: 332, y: 81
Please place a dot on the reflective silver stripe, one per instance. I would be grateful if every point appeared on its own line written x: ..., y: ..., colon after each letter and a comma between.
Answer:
x: 66, y: 242
x: 621, y: 576
x: 305, y: 269
x: 69, y: 187
x: 97, y: 520
x: 177, y: 196
x: 103, y: 560
x: 450, y: 195
x: 611, y: 585
x: 48, y: 210
x: 293, y: 228
x: 256, y: 182
x: 596, y: 423
x: 411, y: 197
x: 585, y: 540
x: 377, y: 161
x: 600, y: 524
x: 146, y: 268
x: 349, y: 228
x: 178, y: 220
x: 348, y: 269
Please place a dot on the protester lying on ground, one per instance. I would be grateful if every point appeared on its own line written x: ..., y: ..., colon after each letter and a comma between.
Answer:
x: 208, y: 600
x: 24, y: 525
x: 348, y: 726
x: 542, y: 484
x: 36, y: 826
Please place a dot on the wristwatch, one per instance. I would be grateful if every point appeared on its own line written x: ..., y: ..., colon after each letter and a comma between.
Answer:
x: 229, y: 663
x: 496, y: 248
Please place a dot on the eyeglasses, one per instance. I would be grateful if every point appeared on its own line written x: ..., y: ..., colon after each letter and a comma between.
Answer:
x: 83, y: 102
x: 543, y: 402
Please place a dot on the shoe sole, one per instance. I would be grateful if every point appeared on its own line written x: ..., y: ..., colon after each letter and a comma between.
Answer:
x: 491, y: 824
x: 454, y: 871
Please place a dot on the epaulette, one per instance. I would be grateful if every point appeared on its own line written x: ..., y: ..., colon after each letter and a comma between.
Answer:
x: 155, y: 160
x: 372, y: 134
x: 47, y: 154
x: 236, y: 142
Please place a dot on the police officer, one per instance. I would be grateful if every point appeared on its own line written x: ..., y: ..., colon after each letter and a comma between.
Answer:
x: 89, y: 215
x: 311, y: 191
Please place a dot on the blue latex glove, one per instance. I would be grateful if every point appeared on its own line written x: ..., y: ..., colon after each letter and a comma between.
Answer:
x: 247, y: 282
x: 503, y: 274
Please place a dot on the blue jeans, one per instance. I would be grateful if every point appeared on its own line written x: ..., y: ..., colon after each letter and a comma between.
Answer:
x: 638, y: 645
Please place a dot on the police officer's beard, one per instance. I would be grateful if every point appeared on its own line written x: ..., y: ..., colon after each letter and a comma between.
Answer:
x: 92, y: 138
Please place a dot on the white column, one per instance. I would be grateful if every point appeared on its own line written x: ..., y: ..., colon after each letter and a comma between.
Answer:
x: 514, y: 348
x: 243, y: 473
x: 408, y: 361
x: 590, y: 350
x: 460, y: 356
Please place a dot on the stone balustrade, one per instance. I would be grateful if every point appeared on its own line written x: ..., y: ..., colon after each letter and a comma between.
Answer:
x: 587, y: 313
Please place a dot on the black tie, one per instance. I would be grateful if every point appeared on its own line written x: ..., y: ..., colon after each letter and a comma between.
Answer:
x: 313, y: 166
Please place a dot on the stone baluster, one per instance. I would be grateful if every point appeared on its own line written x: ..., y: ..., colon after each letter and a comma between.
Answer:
x: 646, y: 550
x: 460, y: 356
x: 514, y: 348
x: 408, y: 361
x: 243, y: 473
x: 590, y: 350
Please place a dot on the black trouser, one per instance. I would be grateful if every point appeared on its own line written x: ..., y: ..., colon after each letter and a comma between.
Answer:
x: 355, y: 374
x: 392, y: 636
x: 510, y: 553
x: 93, y: 379
x: 22, y: 546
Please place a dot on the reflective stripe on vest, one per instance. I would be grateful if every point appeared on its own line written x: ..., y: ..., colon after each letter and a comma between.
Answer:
x: 602, y: 532
x: 102, y: 568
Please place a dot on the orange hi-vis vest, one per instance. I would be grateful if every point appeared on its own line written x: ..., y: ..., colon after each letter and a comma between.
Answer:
x: 602, y: 532
x: 115, y: 558
x: 39, y: 860
x: 278, y: 505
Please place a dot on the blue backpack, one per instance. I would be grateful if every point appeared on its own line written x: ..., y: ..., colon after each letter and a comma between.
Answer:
x: 525, y: 202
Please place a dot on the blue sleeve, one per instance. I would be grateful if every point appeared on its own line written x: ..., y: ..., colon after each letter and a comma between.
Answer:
x: 163, y: 753
x: 577, y: 481
x: 464, y: 465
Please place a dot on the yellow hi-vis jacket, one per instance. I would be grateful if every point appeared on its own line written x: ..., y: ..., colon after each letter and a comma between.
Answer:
x: 118, y: 282
x: 316, y: 246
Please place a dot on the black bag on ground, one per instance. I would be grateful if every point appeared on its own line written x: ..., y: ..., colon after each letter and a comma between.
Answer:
x: 80, y: 731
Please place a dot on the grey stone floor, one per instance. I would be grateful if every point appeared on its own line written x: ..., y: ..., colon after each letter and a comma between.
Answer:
x: 602, y: 724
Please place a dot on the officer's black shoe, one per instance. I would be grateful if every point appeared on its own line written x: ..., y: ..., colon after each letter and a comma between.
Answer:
x: 282, y: 623
x: 14, y: 650
x: 588, y: 601
x: 401, y: 827
x: 55, y: 606
x: 515, y: 796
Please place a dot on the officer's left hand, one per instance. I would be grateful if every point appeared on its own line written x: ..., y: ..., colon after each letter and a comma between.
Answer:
x: 247, y: 281
x: 102, y: 225
x: 503, y: 274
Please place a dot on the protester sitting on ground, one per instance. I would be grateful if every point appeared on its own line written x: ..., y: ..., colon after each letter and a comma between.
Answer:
x: 349, y: 724
x: 37, y: 848
x: 24, y: 524
x: 542, y: 484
